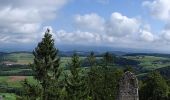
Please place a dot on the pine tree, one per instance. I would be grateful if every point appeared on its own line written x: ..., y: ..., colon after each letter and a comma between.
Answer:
x: 75, y: 83
x: 107, y: 59
x: 46, y: 64
x: 154, y: 88
x: 30, y: 91
x: 92, y: 76
x: 108, y: 81
x: 92, y: 59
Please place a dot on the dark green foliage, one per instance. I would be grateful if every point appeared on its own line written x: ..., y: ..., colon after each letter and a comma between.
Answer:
x: 75, y: 82
x: 46, y: 69
x: 46, y: 61
x: 107, y: 59
x: 129, y: 68
x: 92, y: 59
x: 92, y: 76
x: 165, y: 71
x: 154, y: 88
x: 30, y: 91
x: 46, y: 64
x: 103, y: 80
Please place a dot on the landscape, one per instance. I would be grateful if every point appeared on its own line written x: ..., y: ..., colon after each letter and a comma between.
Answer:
x: 84, y: 50
x: 15, y: 66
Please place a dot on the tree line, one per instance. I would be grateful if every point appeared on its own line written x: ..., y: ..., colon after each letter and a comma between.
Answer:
x: 98, y: 82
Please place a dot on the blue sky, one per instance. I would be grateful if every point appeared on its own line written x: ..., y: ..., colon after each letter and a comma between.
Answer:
x: 127, y: 24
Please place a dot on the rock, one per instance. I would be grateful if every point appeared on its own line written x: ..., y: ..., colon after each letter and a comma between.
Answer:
x: 1, y: 98
x: 128, y: 87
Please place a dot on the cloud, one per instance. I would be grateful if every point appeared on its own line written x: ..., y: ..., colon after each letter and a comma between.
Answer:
x: 118, y: 25
x: 92, y: 22
x: 24, y: 18
x: 159, y: 9
x: 147, y: 36
x: 117, y: 31
x: 77, y: 37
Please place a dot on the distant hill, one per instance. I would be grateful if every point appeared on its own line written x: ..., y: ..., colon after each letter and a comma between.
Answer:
x: 148, y: 54
x: 69, y: 53
x: 2, y: 53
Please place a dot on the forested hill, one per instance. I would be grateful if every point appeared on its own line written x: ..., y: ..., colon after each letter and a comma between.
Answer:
x: 148, y: 54
x: 70, y: 53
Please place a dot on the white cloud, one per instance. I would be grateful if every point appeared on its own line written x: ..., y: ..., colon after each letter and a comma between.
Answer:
x: 147, y: 36
x: 118, y: 31
x: 120, y: 25
x: 159, y: 9
x: 166, y: 35
x: 77, y: 37
x: 25, y: 18
x: 91, y: 22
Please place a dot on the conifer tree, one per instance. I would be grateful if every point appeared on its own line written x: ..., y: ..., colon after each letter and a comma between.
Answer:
x: 108, y: 81
x: 107, y: 59
x: 30, y: 91
x: 154, y: 88
x: 46, y: 64
x: 92, y: 76
x: 91, y: 59
x: 75, y: 83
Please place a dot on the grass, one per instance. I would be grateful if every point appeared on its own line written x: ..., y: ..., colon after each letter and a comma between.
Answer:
x: 19, y: 58
x: 8, y: 96
x: 6, y: 80
x: 151, y: 62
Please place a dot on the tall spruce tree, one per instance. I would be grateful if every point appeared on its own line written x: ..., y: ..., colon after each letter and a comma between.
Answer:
x: 108, y: 81
x: 75, y: 83
x: 92, y: 76
x: 46, y: 64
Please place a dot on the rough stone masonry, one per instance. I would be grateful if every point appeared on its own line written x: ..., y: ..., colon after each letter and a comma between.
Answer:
x: 128, y: 87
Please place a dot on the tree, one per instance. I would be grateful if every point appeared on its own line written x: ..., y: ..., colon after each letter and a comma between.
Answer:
x: 30, y: 91
x: 129, y: 68
x: 46, y: 64
x: 92, y: 76
x: 107, y: 81
x: 107, y: 59
x: 75, y: 83
x: 103, y: 80
x: 154, y: 88
x: 91, y: 59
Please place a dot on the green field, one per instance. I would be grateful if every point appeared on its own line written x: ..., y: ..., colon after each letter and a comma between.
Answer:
x: 151, y: 62
x: 18, y: 58
x: 11, y: 77
x: 8, y: 96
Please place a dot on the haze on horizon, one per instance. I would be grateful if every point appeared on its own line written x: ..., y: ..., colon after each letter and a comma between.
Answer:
x: 131, y: 24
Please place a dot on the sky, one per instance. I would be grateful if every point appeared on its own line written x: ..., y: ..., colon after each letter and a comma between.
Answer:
x: 86, y: 24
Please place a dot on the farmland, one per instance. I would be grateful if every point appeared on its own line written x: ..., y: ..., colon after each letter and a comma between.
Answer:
x: 15, y: 68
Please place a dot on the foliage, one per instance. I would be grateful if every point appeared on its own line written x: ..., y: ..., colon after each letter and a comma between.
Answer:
x: 75, y: 82
x: 154, y: 88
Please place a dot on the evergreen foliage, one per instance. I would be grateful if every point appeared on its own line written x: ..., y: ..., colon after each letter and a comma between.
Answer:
x: 154, y: 88
x: 46, y: 65
x: 75, y: 82
x: 97, y: 82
